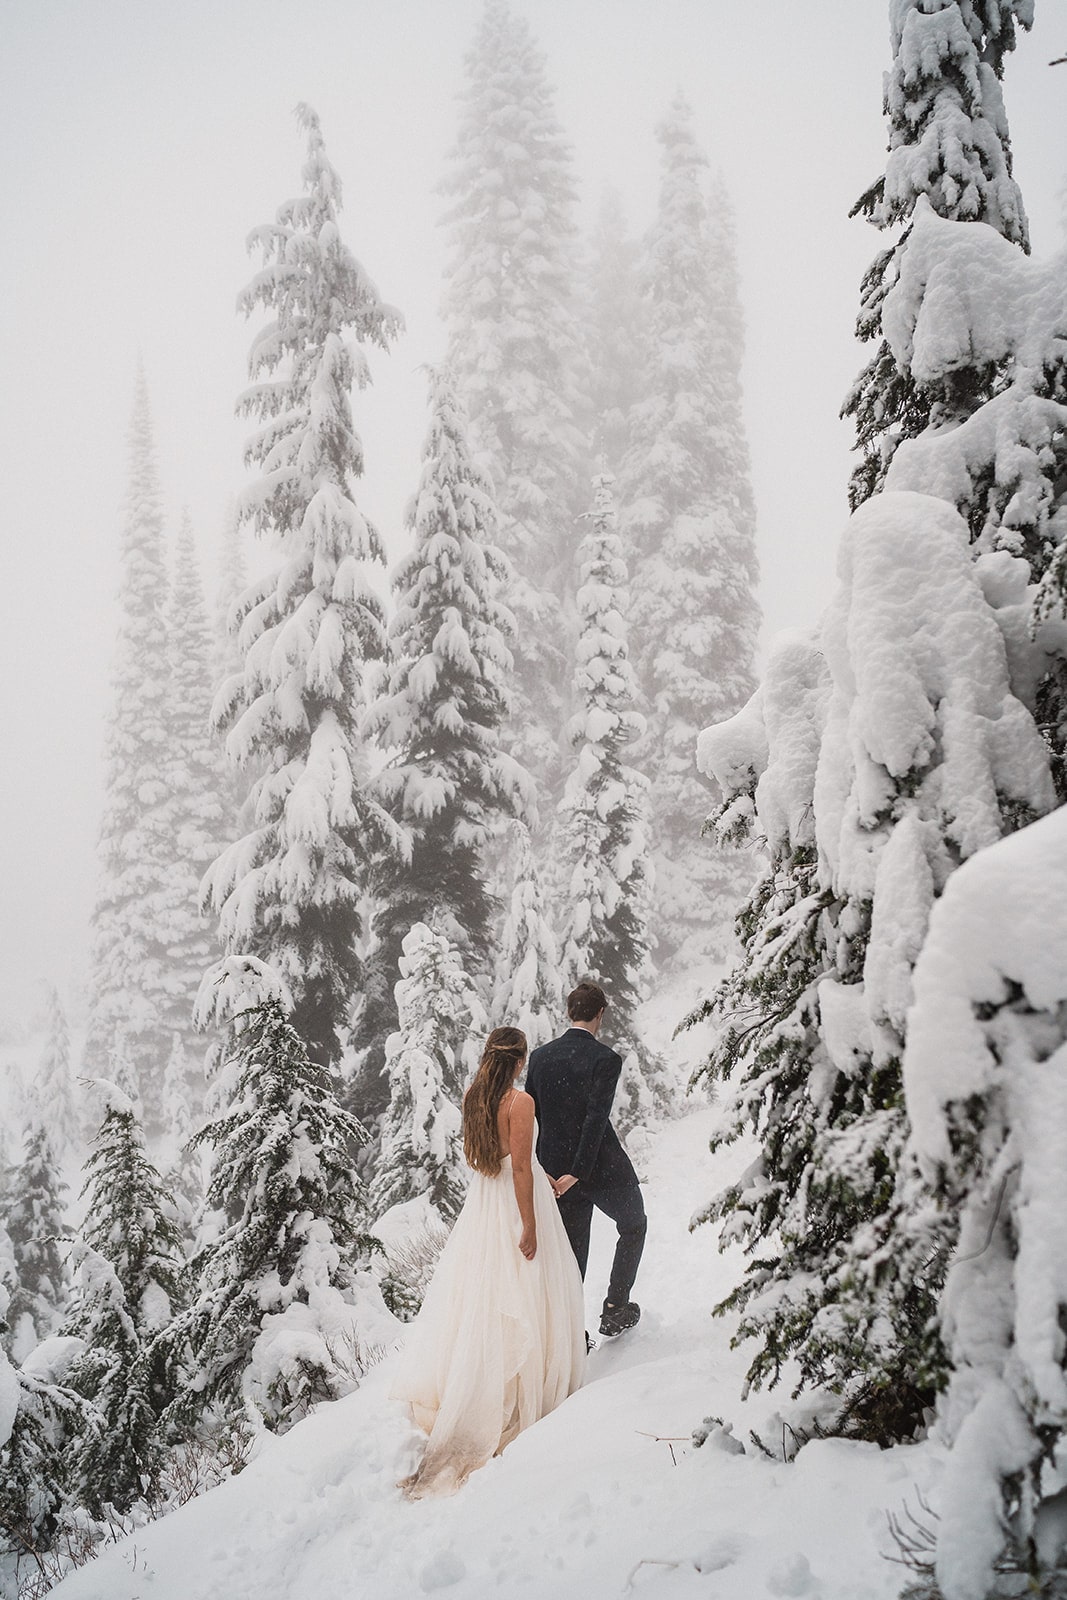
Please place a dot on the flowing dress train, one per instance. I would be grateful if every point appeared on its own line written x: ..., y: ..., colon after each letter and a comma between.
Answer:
x: 499, y: 1341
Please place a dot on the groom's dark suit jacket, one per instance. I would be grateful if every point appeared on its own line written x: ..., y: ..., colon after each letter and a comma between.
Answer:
x: 572, y: 1081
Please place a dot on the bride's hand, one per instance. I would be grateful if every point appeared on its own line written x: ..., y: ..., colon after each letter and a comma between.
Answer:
x: 528, y: 1243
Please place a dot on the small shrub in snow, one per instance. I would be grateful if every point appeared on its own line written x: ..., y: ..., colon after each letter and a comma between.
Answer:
x: 410, y: 1266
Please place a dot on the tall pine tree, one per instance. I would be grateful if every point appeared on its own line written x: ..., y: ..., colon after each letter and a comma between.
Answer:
x: 228, y: 658
x: 130, y: 1270
x: 55, y: 1083
x: 615, y: 331
x: 128, y: 984
x: 34, y: 1225
x: 528, y: 991
x: 183, y: 1101
x: 515, y: 345
x: 192, y: 814
x: 292, y: 1235
x: 448, y: 784
x: 1002, y: 463
x: 924, y: 756
x: 231, y: 584
x: 690, y: 528
x: 43, y: 1430
x: 422, y: 1135
x: 289, y: 891
x: 604, y: 812
x: 948, y: 141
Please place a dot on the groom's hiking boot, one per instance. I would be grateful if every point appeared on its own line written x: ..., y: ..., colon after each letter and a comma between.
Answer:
x: 616, y: 1319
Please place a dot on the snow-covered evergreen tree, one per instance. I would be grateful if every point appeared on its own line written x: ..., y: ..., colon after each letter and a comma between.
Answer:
x: 129, y: 1286
x: 55, y: 1082
x: 1005, y: 464
x: 228, y: 659
x: 34, y: 1224
x: 614, y: 330
x: 948, y: 141
x: 515, y: 345
x: 422, y: 1135
x: 231, y: 585
x: 122, y: 1074
x: 183, y: 1100
x: 690, y: 527
x: 43, y: 1429
x: 764, y: 761
x: 192, y: 814
x: 289, y: 890
x: 291, y: 1242
x: 129, y: 977
x: 528, y: 991
x: 7, y: 1254
x: 924, y: 757
x: 605, y: 813
x: 926, y: 749
x: 966, y: 397
x: 985, y: 1073
x: 447, y: 783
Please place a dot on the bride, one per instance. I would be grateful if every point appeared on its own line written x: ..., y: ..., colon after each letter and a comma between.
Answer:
x: 500, y: 1339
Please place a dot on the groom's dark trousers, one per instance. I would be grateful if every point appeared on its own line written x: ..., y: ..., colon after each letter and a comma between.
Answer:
x: 572, y: 1081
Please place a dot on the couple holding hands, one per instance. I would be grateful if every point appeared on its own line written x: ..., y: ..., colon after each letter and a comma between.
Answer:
x: 500, y: 1340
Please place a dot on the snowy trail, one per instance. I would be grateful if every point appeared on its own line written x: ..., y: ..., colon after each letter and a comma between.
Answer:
x: 575, y: 1504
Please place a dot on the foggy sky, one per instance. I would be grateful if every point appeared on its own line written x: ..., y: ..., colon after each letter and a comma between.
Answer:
x: 142, y: 140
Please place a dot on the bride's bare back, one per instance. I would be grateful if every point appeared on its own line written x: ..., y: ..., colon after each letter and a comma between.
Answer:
x: 515, y: 1126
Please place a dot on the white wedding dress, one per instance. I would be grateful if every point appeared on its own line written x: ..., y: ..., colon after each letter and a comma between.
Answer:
x: 499, y: 1341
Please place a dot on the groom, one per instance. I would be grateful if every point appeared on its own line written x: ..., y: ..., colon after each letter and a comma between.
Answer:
x: 572, y: 1081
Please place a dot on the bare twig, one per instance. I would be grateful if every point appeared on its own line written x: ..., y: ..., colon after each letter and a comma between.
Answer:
x: 915, y: 1537
x: 669, y: 1439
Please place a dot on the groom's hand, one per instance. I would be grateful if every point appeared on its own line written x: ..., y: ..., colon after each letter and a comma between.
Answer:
x: 561, y: 1185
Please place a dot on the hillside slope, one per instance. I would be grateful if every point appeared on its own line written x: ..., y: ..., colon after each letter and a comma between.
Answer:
x: 576, y: 1505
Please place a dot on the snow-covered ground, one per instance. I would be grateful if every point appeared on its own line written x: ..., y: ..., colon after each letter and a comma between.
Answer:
x: 606, y: 1497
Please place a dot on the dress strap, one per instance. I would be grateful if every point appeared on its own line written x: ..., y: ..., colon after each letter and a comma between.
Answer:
x: 510, y: 1099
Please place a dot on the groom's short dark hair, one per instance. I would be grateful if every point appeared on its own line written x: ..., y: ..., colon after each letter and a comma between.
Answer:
x: 585, y: 1002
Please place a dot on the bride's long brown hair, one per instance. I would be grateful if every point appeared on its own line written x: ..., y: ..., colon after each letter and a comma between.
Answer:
x: 503, y: 1052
